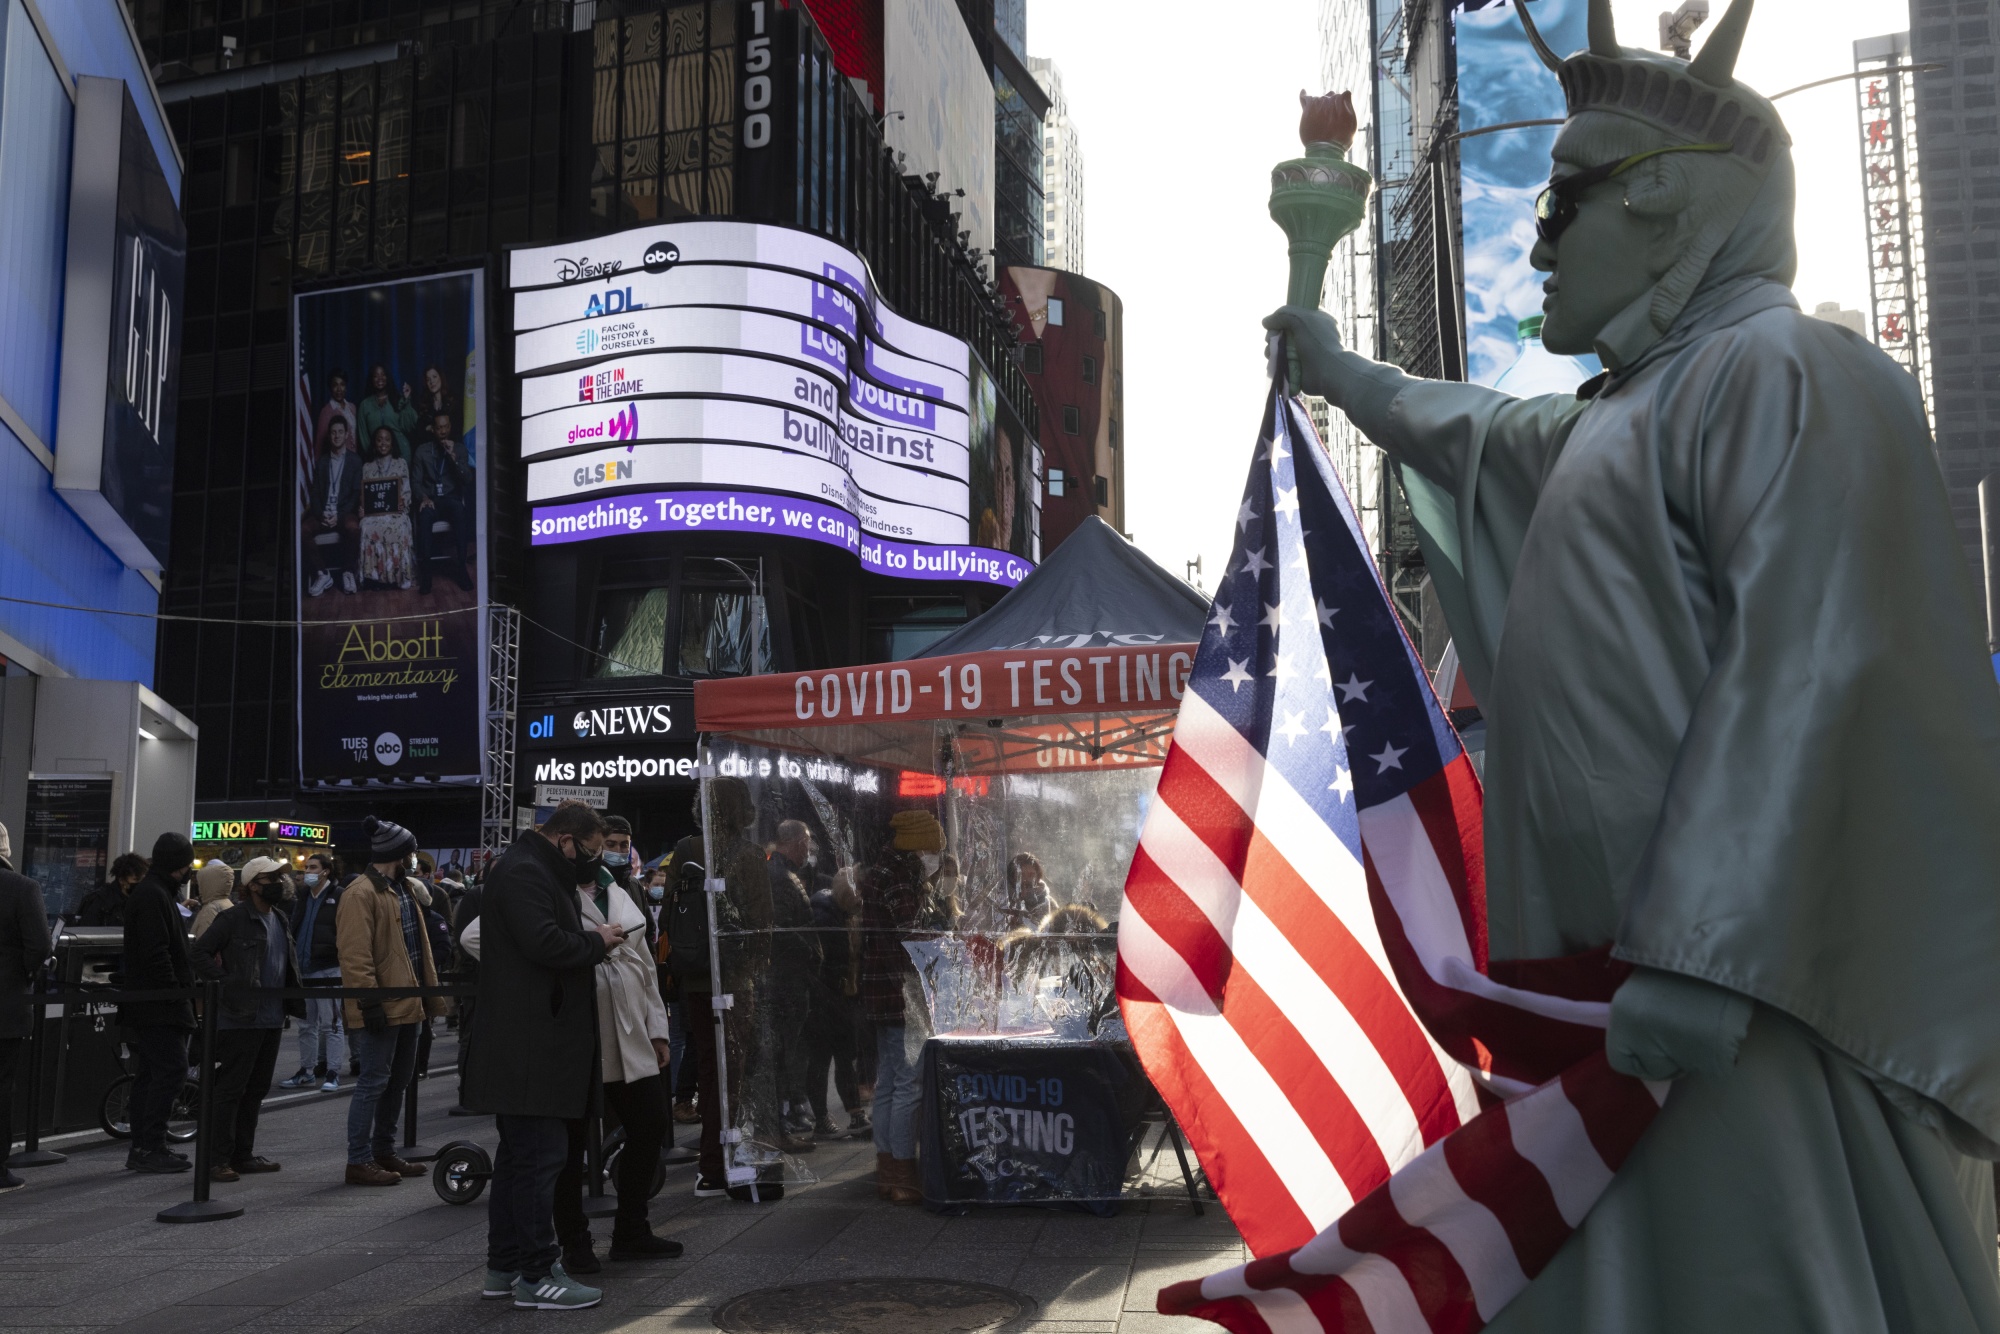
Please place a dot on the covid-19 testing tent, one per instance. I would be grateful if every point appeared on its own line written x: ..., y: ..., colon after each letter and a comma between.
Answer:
x: 921, y: 862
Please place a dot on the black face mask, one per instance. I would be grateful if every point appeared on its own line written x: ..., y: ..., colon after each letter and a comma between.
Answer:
x: 585, y: 864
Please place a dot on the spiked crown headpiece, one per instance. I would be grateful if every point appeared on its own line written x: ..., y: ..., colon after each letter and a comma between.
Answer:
x: 1700, y: 99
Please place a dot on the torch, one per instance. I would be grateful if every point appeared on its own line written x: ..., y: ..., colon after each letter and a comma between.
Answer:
x: 1318, y: 198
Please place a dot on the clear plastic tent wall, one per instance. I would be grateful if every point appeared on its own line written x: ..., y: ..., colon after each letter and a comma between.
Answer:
x: 958, y: 879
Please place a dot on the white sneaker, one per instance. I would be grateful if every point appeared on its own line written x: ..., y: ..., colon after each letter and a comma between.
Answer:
x: 320, y: 583
x: 346, y: 582
x: 405, y: 585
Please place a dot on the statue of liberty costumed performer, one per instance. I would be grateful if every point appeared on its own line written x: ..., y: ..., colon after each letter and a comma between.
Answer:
x: 1742, y: 728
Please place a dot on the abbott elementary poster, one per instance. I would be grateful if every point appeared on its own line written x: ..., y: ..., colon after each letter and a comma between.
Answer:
x: 392, y: 520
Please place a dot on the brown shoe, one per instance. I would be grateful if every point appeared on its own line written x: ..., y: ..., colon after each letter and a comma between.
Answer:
x: 906, y: 1189
x: 367, y: 1174
x: 685, y: 1113
x: 223, y: 1172
x: 389, y: 1162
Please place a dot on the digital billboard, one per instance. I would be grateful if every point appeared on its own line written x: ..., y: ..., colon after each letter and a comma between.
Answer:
x: 391, y: 519
x: 668, y: 366
x: 1501, y: 81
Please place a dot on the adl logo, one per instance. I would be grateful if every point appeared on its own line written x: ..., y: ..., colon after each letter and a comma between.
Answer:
x: 612, y: 301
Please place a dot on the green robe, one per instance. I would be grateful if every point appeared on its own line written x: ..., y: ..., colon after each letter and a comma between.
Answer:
x: 1741, y: 724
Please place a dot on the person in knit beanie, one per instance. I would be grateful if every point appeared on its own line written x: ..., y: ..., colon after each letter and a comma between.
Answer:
x: 383, y: 943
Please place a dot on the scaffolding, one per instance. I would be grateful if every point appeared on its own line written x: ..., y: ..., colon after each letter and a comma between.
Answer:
x: 1885, y: 98
x: 503, y: 689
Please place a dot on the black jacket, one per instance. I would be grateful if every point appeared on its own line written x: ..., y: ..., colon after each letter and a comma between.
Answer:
x: 533, y: 1048
x: 232, y: 949
x: 156, y: 955
x: 322, y: 952
x: 103, y: 906
x: 24, y: 947
x: 347, y: 501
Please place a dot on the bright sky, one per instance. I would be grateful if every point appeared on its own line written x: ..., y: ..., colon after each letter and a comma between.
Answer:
x: 1181, y: 119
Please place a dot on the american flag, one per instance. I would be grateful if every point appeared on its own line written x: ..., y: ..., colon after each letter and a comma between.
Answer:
x: 306, y: 441
x: 1403, y: 1133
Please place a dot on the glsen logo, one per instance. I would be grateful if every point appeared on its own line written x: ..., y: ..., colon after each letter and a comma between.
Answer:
x: 597, y: 386
x: 388, y: 748
x: 583, y: 269
x: 592, y: 475
x: 661, y: 256
x: 621, y: 425
x: 612, y: 301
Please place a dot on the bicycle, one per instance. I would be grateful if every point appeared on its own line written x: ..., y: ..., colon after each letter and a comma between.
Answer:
x: 114, y: 1112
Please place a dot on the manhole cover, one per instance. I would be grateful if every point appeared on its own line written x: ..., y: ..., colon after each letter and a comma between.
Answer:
x: 874, y: 1306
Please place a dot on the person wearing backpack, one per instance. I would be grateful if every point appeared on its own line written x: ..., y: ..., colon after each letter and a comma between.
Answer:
x: 322, y: 1040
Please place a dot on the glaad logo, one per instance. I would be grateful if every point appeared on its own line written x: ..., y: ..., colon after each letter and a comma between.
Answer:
x: 612, y: 301
x: 621, y: 425
x: 388, y: 749
x: 661, y: 256
x: 583, y: 269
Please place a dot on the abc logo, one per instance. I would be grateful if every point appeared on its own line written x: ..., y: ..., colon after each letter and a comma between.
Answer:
x: 661, y: 256
x: 388, y: 748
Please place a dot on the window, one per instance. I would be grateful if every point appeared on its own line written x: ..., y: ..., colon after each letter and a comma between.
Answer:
x: 1097, y: 323
x: 1072, y: 420
x: 900, y: 627
x: 628, y: 635
x: 724, y: 630
x: 1103, y: 489
x: 1058, y: 481
x: 1031, y: 358
x: 1090, y: 370
x: 1055, y: 312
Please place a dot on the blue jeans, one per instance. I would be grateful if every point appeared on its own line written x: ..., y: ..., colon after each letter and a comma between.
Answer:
x: 322, y: 1035
x: 897, y: 1092
x: 387, y: 1061
x: 521, y: 1199
x: 677, y: 1049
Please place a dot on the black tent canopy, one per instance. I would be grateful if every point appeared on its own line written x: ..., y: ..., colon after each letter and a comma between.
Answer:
x: 1095, y: 590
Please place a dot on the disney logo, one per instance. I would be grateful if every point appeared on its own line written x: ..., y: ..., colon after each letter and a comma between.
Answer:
x: 584, y: 269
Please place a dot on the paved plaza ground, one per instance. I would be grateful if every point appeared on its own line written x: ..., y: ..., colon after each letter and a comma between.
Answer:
x: 80, y: 1250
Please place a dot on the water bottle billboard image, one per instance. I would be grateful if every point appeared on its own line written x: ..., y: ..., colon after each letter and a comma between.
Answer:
x: 1501, y: 81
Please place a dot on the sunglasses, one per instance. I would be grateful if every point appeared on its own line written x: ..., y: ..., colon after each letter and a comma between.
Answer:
x: 1555, y: 207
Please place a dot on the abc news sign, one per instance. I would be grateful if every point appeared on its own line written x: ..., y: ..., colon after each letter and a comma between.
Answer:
x: 642, y: 741
x: 738, y: 356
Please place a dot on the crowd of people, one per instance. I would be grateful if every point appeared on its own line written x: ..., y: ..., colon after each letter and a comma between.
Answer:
x: 586, y: 987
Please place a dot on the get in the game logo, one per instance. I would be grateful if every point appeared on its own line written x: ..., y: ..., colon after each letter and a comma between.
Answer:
x: 599, y: 386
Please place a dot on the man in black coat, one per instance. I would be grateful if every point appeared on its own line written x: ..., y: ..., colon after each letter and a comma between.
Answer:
x: 24, y: 947
x: 532, y: 1054
x: 156, y: 959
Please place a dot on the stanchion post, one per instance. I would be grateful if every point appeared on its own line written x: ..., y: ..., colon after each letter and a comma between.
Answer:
x: 201, y: 1209
x: 32, y: 1153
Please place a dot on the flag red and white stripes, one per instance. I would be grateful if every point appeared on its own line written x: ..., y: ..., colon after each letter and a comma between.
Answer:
x: 1403, y: 1132
x: 304, y: 424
